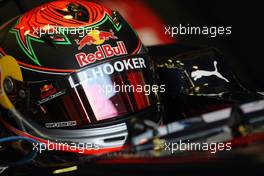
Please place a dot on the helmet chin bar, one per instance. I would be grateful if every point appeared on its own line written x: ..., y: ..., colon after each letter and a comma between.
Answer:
x: 97, y: 136
x: 103, y: 137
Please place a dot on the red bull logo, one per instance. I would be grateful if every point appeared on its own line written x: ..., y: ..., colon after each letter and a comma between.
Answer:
x: 102, y: 52
x: 95, y: 37
x: 47, y: 90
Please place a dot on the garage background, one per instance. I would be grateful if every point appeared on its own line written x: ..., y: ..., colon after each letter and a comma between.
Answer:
x: 241, y: 49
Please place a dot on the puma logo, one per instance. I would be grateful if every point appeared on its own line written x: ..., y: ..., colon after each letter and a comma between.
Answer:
x: 201, y: 73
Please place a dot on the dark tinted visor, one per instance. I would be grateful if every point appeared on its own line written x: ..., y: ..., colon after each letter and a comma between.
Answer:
x: 102, y: 92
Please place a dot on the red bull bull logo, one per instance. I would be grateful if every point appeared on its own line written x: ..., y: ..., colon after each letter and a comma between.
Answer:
x: 102, y: 52
x: 95, y: 37
x: 47, y: 90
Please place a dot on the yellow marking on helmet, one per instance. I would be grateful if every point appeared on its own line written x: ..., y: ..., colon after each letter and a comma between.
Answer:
x: 8, y: 68
x: 96, y: 35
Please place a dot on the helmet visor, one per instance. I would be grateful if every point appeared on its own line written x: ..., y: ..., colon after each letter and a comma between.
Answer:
x: 102, y: 92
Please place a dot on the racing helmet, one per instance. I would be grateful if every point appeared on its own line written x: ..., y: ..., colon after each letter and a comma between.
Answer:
x: 79, y: 72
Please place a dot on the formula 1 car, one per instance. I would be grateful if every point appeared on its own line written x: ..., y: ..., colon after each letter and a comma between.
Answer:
x: 204, y: 104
